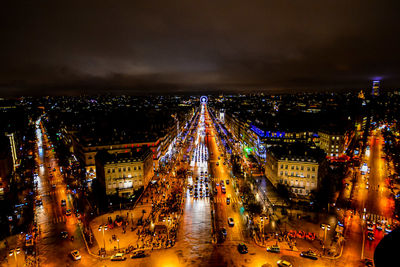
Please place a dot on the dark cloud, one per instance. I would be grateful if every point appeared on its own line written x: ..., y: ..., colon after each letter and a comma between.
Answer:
x: 68, y: 46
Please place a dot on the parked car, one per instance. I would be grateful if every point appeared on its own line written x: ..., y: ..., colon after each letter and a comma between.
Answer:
x: 242, y: 248
x: 118, y: 257
x: 283, y: 263
x: 309, y: 254
x: 75, y: 255
x: 274, y: 248
x: 231, y: 222
x: 138, y: 254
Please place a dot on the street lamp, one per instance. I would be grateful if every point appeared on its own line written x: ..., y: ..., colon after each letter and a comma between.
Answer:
x: 103, y: 228
x: 15, y: 252
x: 325, y: 227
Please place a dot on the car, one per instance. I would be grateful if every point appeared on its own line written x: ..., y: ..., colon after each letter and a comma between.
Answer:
x: 223, y: 190
x: 64, y: 234
x: 242, y: 248
x: 118, y: 257
x: 388, y: 228
x: 379, y: 226
x: 283, y: 263
x: 138, y: 254
x: 222, y: 183
x: 370, y: 236
x: 224, y: 232
x: 227, y: 181
x: 309, y: 254
x: 39, y: 201
x: 228, y: 201
x: 274, y: 248
x: 75, y: 255
x: 68, y: 212
x: 63, y: 203
x: 217, y: 184
x: 370, y: 226
x: 231, y: 222
x: 368, y: 262
x: 217, y: 163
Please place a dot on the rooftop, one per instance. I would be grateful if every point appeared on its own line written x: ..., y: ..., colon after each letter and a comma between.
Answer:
x: 132, y: 156
x: 297, y: 152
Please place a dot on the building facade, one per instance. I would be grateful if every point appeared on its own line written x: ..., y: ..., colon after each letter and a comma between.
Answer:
x: 123, y: 173
x: 333, y: 143
x: 299, y: 168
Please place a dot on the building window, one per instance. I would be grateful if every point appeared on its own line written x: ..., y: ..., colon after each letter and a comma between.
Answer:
x: 313, y: 169
x: 134, y: 168
x: 129, y: 169
x: 108, y: 171
x: 113, y: 170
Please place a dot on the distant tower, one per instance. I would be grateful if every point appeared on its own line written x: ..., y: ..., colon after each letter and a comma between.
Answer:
x: 375, y: 88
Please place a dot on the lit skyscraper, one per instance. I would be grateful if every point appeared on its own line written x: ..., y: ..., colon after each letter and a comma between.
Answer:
x: 375, y: 88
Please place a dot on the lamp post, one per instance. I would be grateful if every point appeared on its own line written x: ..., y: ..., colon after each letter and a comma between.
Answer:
x: 103, y: 228
x: 15, y: 252
x: 325, y: 227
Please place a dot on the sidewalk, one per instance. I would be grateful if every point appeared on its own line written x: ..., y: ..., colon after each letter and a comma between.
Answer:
x: 150, y: 225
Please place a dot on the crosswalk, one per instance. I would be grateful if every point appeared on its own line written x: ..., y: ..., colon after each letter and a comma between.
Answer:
x: 59, y: 219
x: 54, y: 220
x: 218, y: 180
x: 379, y: 218
x: 53, y: 192
x: 223, y: 200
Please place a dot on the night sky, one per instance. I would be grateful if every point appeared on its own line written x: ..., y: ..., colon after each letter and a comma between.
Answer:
x: 70, y: 47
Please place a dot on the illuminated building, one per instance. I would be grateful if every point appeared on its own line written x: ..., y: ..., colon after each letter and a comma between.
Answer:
x: 333, y: 143
x: 13, y: 149
x: 6, y: 164
x: 375, y: 88
x: 123, y: 173
x: 296, y: 166
x: 86, y: 149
